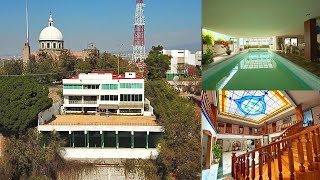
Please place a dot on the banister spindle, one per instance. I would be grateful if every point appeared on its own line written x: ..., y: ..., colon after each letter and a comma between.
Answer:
x: 233, y: 160
x: 236, y: 169
x: 247, y: 166
x: 243, y: 170
x: 309, y: 153
x: 253, y: 169
x: 279, y: 162
x: 260, y: 164
x: 315, y: 150
x: 318, y: 143
x: 300, y: 155
x: 268, y: 155
x: 290, y: 158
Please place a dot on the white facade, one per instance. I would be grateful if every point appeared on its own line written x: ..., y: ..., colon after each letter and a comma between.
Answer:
x: 181, y: 58
x: 104, y: 92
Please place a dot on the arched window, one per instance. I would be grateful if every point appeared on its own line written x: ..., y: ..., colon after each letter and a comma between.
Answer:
x: 54, y: 45
x: 59, y: 45
x: 42, y: 44
x: 48, y: 45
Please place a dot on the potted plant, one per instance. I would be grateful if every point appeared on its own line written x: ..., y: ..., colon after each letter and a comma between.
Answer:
x: 207, y: 39
x: 217, y: 153
x: 227, y: 47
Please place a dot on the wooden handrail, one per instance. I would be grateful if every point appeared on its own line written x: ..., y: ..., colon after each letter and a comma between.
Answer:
x: 288, y: 131
x: 275, y: 150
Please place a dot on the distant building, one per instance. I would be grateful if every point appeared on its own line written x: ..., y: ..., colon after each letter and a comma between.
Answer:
x: 51, y: 40
x: 85, y: 52
x: 179, y: 61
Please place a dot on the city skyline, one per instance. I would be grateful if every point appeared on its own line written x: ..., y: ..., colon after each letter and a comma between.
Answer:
x: 170, y: 26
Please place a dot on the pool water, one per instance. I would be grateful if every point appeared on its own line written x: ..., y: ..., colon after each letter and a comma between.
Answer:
x: 254, y: 69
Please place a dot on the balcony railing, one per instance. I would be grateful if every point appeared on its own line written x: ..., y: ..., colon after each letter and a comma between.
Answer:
x: 89, y: 102
x: 230, y: 130
x: 80, y: 102
x: 75, y: 102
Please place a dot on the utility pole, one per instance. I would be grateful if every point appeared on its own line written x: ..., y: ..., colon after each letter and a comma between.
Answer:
x: 119, y: 59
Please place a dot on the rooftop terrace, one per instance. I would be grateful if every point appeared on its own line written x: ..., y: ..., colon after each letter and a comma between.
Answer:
x: 104, y: 120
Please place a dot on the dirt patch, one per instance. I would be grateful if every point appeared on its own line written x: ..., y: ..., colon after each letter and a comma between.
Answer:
x: 55, y: 93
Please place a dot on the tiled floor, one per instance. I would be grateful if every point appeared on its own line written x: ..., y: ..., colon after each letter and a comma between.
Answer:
x: 210, y: 174
x: 226, y: 163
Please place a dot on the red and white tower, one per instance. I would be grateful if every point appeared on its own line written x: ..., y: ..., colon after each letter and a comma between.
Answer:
x: 138, y: 42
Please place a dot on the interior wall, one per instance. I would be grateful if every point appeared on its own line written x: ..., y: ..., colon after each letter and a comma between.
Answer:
x: 316, y: 114
x: 227, y: 144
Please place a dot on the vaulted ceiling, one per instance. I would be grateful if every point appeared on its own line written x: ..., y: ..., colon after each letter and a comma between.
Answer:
x: 258, y: 18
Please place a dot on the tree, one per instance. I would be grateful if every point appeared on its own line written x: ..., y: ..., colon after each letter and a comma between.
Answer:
x: 157, y: 63
x: 93, y: 58
x: 22, y: 98
x: 26, y: 158
x: 68, y: 61
x: 13, y: 67
x: 180, y: 152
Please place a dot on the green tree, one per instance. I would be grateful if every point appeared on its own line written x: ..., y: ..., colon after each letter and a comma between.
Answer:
x: 93, y: 58
x: 180, y: 152
x: 83, y: 66
x: 13, y: 67
x: 157, y: 63
x: 22, y: 98
x: 68, y: 61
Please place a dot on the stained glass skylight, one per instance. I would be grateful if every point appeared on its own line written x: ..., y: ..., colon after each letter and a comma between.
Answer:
x: 255, y: 106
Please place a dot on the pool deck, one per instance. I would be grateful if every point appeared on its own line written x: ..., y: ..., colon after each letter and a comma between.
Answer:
x: 312, y: 67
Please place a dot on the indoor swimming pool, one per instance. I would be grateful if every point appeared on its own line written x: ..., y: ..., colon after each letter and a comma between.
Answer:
x: 258, y: 69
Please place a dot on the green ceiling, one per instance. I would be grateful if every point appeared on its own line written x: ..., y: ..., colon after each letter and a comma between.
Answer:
x: 258, y: 18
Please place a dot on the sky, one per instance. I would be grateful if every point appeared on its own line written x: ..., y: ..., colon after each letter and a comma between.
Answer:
x: 174, y: 24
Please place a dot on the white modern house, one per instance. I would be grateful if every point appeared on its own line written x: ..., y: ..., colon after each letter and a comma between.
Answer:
x: 104, y: 93
x: 180, y: 58
x: 103, y: 116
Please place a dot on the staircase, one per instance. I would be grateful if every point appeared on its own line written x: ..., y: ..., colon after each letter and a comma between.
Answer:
x: 295, y: 154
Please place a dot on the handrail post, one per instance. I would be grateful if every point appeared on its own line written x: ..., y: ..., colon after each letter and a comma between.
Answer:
x: 300, y: 155
x: 233, y: 159
x: 269, y: 156
x: 290, y: 157
x: 309, y: 153
x: 279, y: 162
x: 253, y: 165
x: 260, y: 164
x: 247, y: 166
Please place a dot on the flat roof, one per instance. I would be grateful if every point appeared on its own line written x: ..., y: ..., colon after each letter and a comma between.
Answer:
x: 104, y: 120
x: 114, y: 76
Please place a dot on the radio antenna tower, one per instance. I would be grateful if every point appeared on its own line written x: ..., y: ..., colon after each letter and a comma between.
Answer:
x: 138, y: 42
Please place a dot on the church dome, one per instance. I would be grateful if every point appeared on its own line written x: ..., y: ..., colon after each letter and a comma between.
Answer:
x: 50, y: 33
